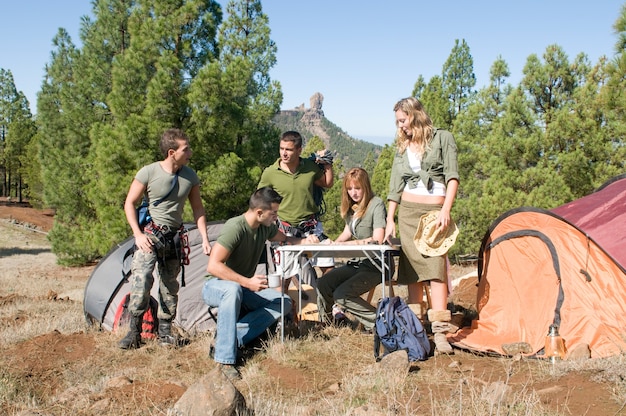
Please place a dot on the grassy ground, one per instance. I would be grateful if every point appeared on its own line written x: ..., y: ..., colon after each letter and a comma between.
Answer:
x: 53, y: 364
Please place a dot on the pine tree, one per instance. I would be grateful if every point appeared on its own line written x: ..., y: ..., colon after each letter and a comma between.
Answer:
x: 103, y: 108
x: 436, y: 102
x: 550, y: 84
x: 233, y: 101
x: 63, y: 118
x: 458, y: 79
x: 382, y: 172
x: 149, y: 88
x: 313, y: 145
x: 17, y: 130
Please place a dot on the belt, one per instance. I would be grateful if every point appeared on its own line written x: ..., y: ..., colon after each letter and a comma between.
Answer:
x: 164, y: 230
x: 303, y: 228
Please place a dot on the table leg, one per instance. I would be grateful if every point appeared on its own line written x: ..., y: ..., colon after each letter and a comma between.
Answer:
x: 282, y: 306
x: 383, y: 265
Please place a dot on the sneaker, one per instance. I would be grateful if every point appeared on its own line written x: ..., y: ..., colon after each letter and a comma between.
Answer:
x: 339, y: 317
x: 338, y: 313
x: 230, y: 371
x: 278, y: 329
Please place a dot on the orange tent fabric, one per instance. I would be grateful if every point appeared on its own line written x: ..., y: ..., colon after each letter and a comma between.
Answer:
x: 563, y: 266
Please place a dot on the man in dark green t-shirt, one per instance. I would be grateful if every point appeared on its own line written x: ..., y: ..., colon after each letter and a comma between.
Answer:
x: 246, y: 305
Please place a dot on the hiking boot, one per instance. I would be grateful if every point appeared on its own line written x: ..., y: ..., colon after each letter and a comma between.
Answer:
x: 440, y: 325
x: 442, y: 346
x: 132, y: 340
x: 361, y: 329
x: 367, y: 331
x: 230, y: 371
x: 166, y: 339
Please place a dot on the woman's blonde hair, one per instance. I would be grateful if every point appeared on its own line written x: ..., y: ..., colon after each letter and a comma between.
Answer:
x: 361, y: 178
x: 420, y: 124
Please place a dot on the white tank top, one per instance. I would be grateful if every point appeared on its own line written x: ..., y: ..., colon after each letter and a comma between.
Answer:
x: 439, y: 189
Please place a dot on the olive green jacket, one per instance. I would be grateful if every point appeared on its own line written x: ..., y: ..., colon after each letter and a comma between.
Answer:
x: 439, y: 164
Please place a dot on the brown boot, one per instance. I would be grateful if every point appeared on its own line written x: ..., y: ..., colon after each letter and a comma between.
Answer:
x: 440, y: 325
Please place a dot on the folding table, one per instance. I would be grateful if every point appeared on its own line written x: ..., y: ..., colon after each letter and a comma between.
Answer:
x: 378, y: 254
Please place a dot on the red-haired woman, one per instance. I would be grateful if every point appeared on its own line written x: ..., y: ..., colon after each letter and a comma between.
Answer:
x: 365, y: 218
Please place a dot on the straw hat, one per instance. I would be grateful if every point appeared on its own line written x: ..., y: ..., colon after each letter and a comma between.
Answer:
x: 429, y: 240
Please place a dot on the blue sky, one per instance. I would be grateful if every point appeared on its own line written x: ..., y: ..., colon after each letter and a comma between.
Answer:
x: 362, y: 55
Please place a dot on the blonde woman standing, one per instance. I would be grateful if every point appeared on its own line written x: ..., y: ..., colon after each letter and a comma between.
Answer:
x: 424, y: 178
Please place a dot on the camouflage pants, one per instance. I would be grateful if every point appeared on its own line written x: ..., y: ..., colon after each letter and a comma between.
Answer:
x: 142, y: 279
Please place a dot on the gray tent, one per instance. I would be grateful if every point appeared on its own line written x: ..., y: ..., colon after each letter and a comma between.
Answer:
x: 108, y: 284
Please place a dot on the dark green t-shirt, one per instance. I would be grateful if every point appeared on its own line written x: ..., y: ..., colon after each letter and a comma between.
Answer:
x: 245, y: 244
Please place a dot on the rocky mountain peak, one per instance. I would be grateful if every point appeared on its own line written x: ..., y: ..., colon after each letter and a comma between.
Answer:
x: 312, y: 116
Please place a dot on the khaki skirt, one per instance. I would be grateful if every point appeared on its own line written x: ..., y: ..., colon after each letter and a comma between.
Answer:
x: 413, y: 266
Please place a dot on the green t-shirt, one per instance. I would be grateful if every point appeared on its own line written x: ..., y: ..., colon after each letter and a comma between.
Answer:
x: 296, y: 189
x: 245, y: 244
x: 157, y: 181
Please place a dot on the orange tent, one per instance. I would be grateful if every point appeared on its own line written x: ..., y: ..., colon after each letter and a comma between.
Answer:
x: 564, y: 266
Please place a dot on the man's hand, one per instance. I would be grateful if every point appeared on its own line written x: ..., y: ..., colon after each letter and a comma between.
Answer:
x: 311, y: 239
x: 143, y: 243
x: 206, y: 248
x: 257, y: 283
x: 324, y: 157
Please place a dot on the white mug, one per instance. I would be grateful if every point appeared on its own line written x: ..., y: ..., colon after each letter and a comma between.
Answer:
x: 273, y: 279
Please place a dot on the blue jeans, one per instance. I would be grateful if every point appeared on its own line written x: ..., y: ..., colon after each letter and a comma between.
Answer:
x: 242, y: 315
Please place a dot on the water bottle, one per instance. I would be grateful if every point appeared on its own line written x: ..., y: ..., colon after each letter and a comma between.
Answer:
x: 555, y: 348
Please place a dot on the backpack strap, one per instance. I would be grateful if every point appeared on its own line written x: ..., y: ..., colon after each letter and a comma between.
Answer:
x: 376, y: 336
x: 382, y: 313
x: 144, y: 199
x: 173, y: 184
x: 318, y: 191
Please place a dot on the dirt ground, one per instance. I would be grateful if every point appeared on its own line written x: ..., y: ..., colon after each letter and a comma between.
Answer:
x: 26, y: 215
x: 46, y: 357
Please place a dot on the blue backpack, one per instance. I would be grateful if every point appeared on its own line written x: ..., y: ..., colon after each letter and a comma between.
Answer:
x: 397, y: 328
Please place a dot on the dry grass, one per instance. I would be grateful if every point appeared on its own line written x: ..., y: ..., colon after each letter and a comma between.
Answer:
x: 53, y: 364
